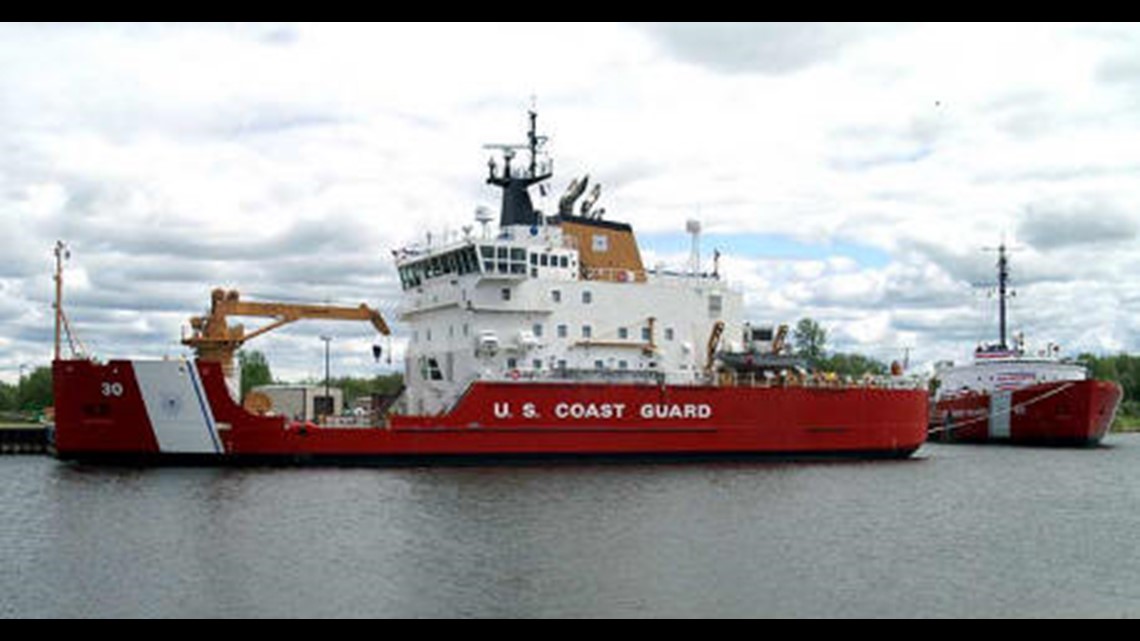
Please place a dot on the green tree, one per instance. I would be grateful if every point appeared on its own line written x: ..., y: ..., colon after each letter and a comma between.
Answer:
x: 809, y: 338
x: 35, y: 390
x: 354, y: 388
x: 853, y: 365
x: 254, y: 370
x: 7, y: 396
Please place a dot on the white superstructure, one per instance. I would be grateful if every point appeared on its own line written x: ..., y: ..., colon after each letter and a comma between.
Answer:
x: 1004, y: 371
x: 1001, y: 367
x: 557, y: 298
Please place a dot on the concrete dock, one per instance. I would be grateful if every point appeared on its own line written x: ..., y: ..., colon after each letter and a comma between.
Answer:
x: 23, y: 438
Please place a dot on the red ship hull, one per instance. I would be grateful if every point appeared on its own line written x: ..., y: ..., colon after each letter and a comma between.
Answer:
x: 126, y: 409
x: 1058, y: 413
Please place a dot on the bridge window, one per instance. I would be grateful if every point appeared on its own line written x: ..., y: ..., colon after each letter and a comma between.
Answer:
x: 434, y: 372
x: 716, y: 303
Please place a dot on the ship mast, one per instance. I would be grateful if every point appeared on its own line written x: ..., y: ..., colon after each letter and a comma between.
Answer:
x: 61, y: 252
x: 1003, y: 293
x: 517, y: 208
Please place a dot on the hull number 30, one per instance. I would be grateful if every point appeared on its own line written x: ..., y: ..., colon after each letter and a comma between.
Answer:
x: 112, y: 389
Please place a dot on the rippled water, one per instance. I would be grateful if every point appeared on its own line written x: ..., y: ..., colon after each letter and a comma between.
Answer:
x: 957, y: 531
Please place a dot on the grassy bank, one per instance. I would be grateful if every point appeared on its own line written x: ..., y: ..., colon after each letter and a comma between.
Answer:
x: 1126, y: 423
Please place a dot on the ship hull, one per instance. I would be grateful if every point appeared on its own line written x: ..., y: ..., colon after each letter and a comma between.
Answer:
x: 1076, y: 412
x: 180, y: 411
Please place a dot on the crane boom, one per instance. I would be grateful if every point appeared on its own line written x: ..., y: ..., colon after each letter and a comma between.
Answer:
x: 714, y: 340
x: 214, y: 339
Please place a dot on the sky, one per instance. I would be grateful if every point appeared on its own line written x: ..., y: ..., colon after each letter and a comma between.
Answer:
x: 857, y: 174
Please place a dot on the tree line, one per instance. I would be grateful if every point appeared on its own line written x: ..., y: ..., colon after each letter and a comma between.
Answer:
x: 809, y: 342
x: 255, y: 371
x: 1125, y: 370
x: 28, y: 397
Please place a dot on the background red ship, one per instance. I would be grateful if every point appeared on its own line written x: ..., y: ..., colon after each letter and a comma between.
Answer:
x: 1009, y: 395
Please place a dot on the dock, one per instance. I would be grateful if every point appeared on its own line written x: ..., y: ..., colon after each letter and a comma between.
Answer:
x: 23, y: 438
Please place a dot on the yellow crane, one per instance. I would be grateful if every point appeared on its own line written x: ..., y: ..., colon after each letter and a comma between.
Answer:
x: 780, y: 340
x: 714, y: 341
x: 214, y: 339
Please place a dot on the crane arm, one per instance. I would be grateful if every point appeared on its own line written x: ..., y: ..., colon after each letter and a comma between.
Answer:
x: 781, y: 338
x: 714, y: 339
x: 287, y: 313
x: 214, y: 339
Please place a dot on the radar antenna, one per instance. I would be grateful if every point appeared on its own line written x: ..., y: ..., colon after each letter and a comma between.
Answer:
x: 517, y: 208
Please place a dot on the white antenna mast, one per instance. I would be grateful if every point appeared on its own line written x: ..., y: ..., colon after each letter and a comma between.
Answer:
x: 693, y: 227
x: 484, y: 216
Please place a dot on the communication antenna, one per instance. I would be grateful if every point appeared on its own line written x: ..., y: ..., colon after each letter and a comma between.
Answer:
x: 693, y: 227
x: 484, y: 216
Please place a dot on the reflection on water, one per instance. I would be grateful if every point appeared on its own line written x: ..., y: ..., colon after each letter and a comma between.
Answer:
x: 957, y: 531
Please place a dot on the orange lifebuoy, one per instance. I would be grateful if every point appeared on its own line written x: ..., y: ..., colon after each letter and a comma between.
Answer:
x: 514, y: 374
x: 622, y: 275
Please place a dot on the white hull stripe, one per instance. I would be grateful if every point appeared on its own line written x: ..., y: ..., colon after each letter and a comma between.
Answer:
x: 177, y: 407
x: 207, y: 413
x: 1001, y: 403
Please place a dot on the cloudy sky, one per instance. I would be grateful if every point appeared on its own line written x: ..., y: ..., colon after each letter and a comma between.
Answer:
x: 853, y: 173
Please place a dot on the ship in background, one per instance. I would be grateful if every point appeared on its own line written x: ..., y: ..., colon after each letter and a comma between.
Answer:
x: 544, y: 337
x: 1011, y: 395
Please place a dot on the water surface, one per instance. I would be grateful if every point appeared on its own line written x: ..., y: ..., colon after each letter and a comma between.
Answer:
x: 957, y: 531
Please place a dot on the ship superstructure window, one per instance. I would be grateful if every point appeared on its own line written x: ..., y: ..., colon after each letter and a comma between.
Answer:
x: 488, y: 254
x: 562, y: 331
x: 587, y: 331
x: 623, y: 333
x: 431, y: 370
x: 587, y: 297
x: 537, y: 329
x: 459, y: 262
x: 645, y: 334
x: 505, y: 293
x: 503, y: 259
x: 715, y: 305
x: 556, y: 295
x: 668, y: 333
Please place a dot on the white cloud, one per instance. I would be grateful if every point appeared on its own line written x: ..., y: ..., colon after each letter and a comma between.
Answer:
x: 287, y: 160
